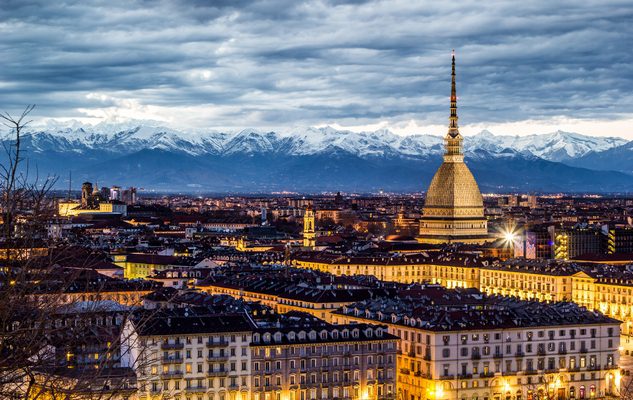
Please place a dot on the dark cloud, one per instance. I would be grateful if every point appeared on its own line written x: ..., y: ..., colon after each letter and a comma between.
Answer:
x: 237, y: 63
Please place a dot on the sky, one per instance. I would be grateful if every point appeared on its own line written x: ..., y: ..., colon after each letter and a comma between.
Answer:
x: 522, y: 67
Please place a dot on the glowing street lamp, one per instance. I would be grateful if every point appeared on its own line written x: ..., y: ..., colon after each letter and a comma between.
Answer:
x: 509, y: 237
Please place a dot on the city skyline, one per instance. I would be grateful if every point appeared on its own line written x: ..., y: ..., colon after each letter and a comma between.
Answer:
x: 529, y: 68
x: 277, y: 202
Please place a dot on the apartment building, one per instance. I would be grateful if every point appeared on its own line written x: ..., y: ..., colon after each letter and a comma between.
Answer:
x: 183, y: 355
x: 491, y: 347
x: 300, y: 357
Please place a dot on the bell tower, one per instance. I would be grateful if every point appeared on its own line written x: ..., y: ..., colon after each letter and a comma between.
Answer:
x: 309, y: 235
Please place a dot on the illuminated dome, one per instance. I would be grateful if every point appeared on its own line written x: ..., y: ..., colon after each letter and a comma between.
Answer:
x: 453, y: 191
x: 453, y: 209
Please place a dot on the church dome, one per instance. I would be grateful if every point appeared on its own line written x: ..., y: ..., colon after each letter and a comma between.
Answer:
x: 453, y: 188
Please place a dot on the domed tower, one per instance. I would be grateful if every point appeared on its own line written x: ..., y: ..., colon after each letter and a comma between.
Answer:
x: 453, y: 209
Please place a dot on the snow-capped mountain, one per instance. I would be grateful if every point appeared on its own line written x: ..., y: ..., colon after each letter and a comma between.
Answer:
x: 309, y: 158
x: 555, y: 146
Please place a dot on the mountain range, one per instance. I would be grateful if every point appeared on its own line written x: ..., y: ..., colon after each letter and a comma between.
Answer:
x: 145, y: 154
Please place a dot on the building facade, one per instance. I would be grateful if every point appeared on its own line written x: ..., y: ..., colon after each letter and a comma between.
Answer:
x: 323, y: 362
x: 514, y: 350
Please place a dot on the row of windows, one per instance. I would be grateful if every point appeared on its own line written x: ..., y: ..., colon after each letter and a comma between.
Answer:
x: 324, y: 362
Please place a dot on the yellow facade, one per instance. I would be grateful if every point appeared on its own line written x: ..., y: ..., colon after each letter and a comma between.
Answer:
x: 609, y: 296
x: 451, y: 276
x: 136, y: 270
x: 583, y: 290
x: 526, y: 285
x: 614, y: 297
x: 73, y: 208
x: 309, y: 235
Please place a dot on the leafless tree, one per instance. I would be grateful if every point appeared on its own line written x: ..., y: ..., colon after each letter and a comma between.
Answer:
x: 34, y: 288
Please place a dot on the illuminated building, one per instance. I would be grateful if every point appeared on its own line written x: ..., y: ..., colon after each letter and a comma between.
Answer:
x: 309, y: 235
x: 527, y: 280
x: 235, y: 357
x: 72, y: 208
x: 619, y: 239
x: 138, y: 265
x: 574, y: 242
x: 453, y: 209
x: 449, y: 270
x: 614, y: 297
x: 189, y: 355
x: 92, y: 202
x: 507, y: 349
x: 299, y: 359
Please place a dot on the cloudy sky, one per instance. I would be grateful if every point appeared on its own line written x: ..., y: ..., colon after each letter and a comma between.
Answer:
x: 523, y: 67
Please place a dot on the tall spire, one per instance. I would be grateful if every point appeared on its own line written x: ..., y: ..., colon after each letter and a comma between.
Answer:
x: 453, y: 140
x: 452, y: 126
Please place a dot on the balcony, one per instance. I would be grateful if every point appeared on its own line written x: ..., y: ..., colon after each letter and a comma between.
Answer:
x: 540, y: 352
x: 172, y: 346
x: 593, y: 368
x: 562, y: 351
x: 476, y: 356
x: 217, y: 373
x: 530, y: 372
x: 497, y: 355
x: 172, y: 360
x: 465, y: 376
x: 583, y: 350
x: 488, y: 374
x: 427, y: 357
x: 221, y: 343
x: 171, y: 374
x: 519, y: 354
x: 196, y: 389
x: 218, y: 358
x: 405, y: 371
x: 446, y: 377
